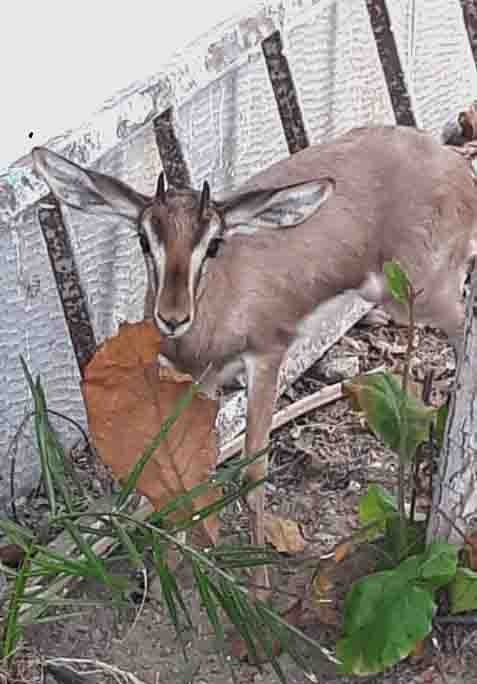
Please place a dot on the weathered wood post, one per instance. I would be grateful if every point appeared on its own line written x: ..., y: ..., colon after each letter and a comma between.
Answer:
x: 454, y: 504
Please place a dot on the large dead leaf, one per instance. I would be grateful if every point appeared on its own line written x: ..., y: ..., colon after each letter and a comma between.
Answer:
x: 283, y: 534
x: 128, y: 397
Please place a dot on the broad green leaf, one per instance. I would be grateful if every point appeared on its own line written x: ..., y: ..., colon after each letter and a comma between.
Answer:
x: 389, y: 411
x: 377, y: 506
x: 397, y: 281
x: 386, y: 614
x: 463, y: 591
x: 439, y: 564
x: 400, y: 541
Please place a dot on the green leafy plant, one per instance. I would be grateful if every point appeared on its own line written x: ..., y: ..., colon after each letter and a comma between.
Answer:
x: 389, y: 612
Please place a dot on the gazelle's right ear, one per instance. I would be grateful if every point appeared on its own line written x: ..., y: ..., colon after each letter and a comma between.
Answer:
x: 278, y: 208
x: 89, y: 191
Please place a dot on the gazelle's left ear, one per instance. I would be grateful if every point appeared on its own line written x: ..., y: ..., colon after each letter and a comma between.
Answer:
x: 286, y: 207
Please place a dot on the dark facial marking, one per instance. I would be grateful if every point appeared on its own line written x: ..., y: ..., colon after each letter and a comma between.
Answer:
x: 213, y: 248
x: 144, y: 242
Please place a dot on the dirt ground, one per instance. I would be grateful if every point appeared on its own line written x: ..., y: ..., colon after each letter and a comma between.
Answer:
x: 321, y: 463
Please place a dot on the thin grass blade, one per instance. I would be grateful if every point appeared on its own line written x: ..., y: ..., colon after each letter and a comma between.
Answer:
x: 131, y: 481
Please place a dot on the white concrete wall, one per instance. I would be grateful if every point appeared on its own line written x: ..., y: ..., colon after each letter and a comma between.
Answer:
x: 227, y: 122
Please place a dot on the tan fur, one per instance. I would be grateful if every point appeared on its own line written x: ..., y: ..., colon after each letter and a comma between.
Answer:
x: 399, y: 195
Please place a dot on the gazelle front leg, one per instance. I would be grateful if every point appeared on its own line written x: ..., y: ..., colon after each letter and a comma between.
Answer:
x: 262, y: 378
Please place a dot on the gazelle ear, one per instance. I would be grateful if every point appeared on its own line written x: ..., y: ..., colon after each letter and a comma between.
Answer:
x: 285, y: 207
x: 89, y: 191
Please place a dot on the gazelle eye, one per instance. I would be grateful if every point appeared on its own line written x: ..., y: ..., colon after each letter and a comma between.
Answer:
x: 213, y: 248
x: 144, y: 242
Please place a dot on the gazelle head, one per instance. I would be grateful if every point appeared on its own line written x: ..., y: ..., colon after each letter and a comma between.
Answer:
x: 179, y: 229
x: 178, y: 232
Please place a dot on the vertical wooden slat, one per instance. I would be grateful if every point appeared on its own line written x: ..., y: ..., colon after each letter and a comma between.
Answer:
x: 469, y: 10
x: 72, y: 295
x: 285, y: 93
x: 391, y: 63
x: 170, y: 150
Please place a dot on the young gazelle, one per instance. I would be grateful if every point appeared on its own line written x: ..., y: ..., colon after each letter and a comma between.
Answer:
x: 232, y: 281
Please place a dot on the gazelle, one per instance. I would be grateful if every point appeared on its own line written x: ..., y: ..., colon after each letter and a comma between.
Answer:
x: 233, y: 281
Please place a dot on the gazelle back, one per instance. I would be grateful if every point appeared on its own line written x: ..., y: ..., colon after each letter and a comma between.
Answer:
x: 232, y: 281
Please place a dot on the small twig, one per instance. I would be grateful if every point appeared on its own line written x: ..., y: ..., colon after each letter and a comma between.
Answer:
x: 467, y: 619
x: 413, y: 294
x: 99, y: 666
x: 75, y: 424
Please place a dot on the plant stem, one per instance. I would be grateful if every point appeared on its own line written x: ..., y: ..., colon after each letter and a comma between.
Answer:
x: 403, y: 436
x: 426, y: 398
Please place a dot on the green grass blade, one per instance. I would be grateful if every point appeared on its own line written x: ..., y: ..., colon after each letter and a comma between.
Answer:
x: 227, y: 601
x: 259, y: 630
x: 283, y: 637
x: 169, y: 591
x: 12, y: 632
x: 243, y: 556
x: 96, y: 564
x: 133, y: 553
x: 131, y: 481
x: 16, y: 533
x: 209, y: 603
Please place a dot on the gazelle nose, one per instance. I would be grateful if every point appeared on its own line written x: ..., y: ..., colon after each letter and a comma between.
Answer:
x: 173, y: 323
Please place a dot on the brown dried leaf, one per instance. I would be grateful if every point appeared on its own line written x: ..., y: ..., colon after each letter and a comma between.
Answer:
x: 128, y: 397
x: 12, y: 555
x: 135, y: 345
x: 283, y: 534
x: 343, y: 550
